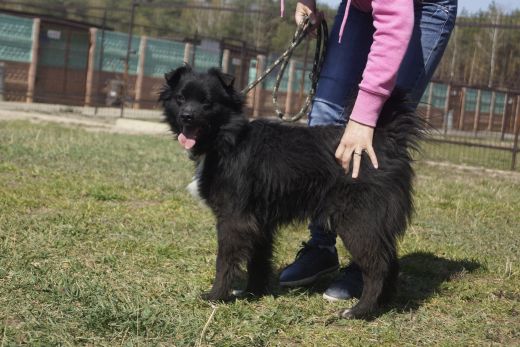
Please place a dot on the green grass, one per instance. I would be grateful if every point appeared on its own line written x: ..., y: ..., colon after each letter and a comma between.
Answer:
x: 473, y: 156
x: 101, y: 245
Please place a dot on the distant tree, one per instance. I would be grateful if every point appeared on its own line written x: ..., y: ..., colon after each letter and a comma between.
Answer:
x: 475, y: 55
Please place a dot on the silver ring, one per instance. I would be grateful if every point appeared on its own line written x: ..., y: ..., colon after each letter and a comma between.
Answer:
x: 357, y: 153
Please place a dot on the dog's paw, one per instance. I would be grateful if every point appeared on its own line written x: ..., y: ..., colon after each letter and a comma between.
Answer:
x: 257, y: 291
x: 210, y: 296
x: 347, y: 314
x: 355, y: 313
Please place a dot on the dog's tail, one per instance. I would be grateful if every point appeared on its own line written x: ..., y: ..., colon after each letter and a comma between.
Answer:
x: 401, y: 124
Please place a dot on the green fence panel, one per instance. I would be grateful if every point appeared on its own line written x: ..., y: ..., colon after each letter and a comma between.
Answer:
x: 270, y: 81
x: 15, y: 38
x: 205, y: 59
x: 162, y: 56
x: 424, y: 98
x: 52, y: 49
x: 114, y: 52
x: 251, y: 76
x: 470, y: 102
x: 439, y: 95
x: 65, y: 49
x: 485, y: 101
x: 78, y: 50
x: 500, y: 102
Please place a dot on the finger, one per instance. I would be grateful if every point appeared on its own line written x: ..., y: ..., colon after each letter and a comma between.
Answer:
x: 357, y: 163
x: 312, y: 31
x: 372, y: 156
x: 339, y: 151
x: 313, y: 19
x: 346, y: 159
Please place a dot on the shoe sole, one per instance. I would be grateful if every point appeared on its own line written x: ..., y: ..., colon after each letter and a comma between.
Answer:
x: 309, y: 280
x: 333, y: 299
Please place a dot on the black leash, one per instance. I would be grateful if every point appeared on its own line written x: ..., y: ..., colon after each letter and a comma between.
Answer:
x: 283, y: 60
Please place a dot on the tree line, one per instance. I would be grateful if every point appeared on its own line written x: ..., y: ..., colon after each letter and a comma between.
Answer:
x: 484, y: 48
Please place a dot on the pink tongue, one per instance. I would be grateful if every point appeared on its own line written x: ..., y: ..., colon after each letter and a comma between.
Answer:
x: 186, y: 142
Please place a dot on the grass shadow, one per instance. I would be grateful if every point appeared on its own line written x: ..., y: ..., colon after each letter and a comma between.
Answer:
x: 421, y: 276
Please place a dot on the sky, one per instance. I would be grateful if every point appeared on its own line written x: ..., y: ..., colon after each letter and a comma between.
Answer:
x: 470, y: 5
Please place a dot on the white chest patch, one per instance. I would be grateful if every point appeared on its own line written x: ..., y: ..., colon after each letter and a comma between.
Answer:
x: 193, y: 187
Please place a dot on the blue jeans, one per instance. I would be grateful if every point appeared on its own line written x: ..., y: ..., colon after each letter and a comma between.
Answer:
x: 344, y: 64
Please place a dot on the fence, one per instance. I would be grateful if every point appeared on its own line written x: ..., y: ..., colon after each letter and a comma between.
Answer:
x: 51, y: 61
x: 472, y: 125
x: 16, y: 52
x: 76, y: 64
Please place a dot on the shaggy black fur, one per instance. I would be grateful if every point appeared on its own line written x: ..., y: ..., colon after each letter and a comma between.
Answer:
x: 259, y: 175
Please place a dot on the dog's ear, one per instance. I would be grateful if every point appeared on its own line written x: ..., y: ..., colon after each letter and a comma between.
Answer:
x: 173, y: 77
x: 227, y: 80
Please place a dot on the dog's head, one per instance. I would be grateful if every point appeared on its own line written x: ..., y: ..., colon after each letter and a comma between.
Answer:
x: 198, y: 106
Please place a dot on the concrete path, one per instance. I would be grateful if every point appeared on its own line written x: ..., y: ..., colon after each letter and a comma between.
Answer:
x: 108, y: 124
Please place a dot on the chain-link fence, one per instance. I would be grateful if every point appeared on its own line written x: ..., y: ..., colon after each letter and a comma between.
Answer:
x: 475, y: 126
x: 54, y: 61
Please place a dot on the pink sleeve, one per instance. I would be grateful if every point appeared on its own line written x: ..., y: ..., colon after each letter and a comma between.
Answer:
x: 393, y: 22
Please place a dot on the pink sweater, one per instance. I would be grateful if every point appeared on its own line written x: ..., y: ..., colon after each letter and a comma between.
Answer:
x: 393, y: 22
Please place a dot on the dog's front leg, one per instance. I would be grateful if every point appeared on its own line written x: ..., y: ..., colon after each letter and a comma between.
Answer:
x: 259, y: 267
x: 233, y: 248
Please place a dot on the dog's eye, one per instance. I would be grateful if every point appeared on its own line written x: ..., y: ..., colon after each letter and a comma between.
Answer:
x: 180, y: 99
x: 206, y: 105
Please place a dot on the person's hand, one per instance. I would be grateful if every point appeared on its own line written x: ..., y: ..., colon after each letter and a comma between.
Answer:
x: 307, y: 8
x: 356, y: 139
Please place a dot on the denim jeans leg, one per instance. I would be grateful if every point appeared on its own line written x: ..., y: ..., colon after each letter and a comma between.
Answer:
x: 339, y: 79
x: 434, y: 22
x: 344, y: 64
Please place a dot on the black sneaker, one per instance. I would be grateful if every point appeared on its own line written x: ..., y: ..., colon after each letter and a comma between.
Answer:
x: 311, y: 263
x: 347, y: 286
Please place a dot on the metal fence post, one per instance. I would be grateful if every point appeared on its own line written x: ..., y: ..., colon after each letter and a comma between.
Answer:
x: 446, y: 108
x: 492, y: 110
x: 504, y: 114
x: 290, y: 90
x: 517, y: 117
x: 2, y: 80
x: 462, y: 108
x: 127, y: 58
x: 90, y: 66
x: 260, y: 66
x: 140, y: 72
x: 517, y: 131
x: 226, y: 54
x: 100, y: 62
x: 188, y: 53
x: 476, y: 117
x: 34, y: 60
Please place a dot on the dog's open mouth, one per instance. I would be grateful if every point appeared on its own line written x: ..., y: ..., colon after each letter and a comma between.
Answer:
x: 188, y: 137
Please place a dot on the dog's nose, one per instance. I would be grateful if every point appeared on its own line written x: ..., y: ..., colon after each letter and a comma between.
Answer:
x: 187, y: 117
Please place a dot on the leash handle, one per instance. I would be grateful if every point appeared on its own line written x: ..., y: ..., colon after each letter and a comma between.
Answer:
x: 319, y: 55
x: 302, y: 28
x: 321, y: 43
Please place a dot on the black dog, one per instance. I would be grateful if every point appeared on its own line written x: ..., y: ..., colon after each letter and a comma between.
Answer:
x: 259, y: 175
